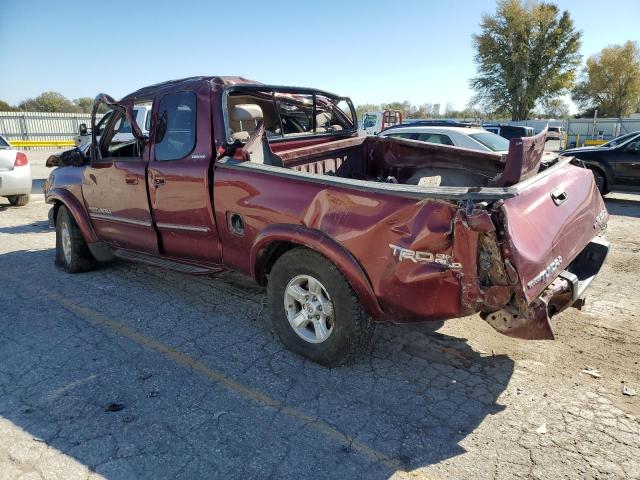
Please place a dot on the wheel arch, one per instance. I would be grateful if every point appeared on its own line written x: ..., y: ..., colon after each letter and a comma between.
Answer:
x: 58, y: 198
x: 275, y: 240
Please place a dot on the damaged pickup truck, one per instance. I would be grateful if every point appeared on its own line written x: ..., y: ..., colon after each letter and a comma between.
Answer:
x: 344, y: 230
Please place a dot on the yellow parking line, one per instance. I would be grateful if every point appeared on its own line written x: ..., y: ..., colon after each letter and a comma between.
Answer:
x: 98, y: 319
x: 42, y: 143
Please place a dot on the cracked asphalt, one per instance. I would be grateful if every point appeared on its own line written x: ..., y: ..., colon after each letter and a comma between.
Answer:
x: 130, y: 371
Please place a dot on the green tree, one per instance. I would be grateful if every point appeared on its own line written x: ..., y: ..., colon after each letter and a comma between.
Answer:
x: 48, y: 102
x: 5, y: 107
x: 610, y: 82
x: 84, y: 104
x: 527, y: 52
x: 553, y: 108
x: 367, y: 107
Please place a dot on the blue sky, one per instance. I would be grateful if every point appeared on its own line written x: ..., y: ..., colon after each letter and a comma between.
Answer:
x: 372, y: 51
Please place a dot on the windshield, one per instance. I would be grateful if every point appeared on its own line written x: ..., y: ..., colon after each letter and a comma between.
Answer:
x: 4, y: 143
x: 619, y: 141
x: 491, y: 141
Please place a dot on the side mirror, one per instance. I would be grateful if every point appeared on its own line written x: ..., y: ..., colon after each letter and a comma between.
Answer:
x: 82, y: 129
x: 633, y: 147
x: 71, y: 158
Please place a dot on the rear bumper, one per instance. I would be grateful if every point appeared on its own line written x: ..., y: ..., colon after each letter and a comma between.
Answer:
x: 531, y: 321
x: 16, y: 181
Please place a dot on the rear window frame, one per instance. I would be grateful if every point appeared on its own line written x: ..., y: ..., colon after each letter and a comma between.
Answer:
x: 292, y: 90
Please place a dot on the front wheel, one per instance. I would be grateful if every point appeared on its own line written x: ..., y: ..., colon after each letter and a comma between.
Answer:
x: 314, y: 311
x: 72, y: 253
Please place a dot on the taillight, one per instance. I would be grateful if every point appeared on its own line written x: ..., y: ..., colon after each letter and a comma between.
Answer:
x: 21, y: 160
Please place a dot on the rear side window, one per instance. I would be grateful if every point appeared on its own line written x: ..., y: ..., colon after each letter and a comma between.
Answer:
x: 435, y: 138
x: 176, y: 127
x: 409, y: 136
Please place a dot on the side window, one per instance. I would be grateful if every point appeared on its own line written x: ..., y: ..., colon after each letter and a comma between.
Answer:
x: 103, y: 123
x: 113, y: 145
x: 408, y: 136
x: 435, y: 138
x: 147, y: 121
x: 369, y: 121
x: 176, y: 127
x: 296, y: 113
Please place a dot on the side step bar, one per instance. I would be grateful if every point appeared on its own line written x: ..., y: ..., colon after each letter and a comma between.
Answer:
x: 165, y: 263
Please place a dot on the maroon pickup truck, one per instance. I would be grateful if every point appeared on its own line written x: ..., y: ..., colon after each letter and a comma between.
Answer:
x: 275, y: 183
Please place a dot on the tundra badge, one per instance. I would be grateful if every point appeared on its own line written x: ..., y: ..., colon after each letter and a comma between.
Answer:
x: 424, y: 257
x: 543, y: 275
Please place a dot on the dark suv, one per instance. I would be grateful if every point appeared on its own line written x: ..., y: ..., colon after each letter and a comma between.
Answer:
x: 614, y: 163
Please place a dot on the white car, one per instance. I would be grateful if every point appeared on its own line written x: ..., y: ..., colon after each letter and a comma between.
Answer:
x: 15, y: 175
x: 474, y: 138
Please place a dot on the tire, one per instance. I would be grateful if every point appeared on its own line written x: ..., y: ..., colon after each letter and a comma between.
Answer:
x: 19, y: 200
x: 72, y: 253
x: 601, y: 181
x: 347, y: 332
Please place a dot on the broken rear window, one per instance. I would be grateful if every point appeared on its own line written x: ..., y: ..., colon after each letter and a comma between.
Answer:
x: 286, y: 113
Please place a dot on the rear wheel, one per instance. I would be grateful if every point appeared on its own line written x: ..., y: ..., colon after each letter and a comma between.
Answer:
x: 314, y: 311
x: 18, y: 200
x: 72, y: 253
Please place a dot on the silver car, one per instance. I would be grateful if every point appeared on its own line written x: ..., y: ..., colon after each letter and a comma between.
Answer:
x: 15, y: 175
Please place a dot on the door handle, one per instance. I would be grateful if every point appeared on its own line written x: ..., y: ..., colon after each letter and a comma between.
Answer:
x: 559, y: 197
x: 158, y: 181
x: 156, y: 178
x: 131, y: 179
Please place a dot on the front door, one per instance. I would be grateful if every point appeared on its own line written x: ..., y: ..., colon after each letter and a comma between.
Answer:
x: 179, y: 176
x: 115, y: 191
x: 626, y: 163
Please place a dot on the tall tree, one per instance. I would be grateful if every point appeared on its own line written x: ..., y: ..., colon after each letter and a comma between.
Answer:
x: 5, y: 107
x: 84, y: 104
x: 48, y: 102
x: 367, y: 107
x: 553, y: 108
x: 527, y: 52
x: 611, y: 81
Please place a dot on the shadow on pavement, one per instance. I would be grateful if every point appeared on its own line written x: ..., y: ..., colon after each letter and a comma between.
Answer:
x: 623, y: 206
x: 34, y: 227
x: 72, y: 379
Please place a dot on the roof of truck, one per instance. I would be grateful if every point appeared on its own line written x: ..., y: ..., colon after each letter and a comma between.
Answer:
x: 220, y: 80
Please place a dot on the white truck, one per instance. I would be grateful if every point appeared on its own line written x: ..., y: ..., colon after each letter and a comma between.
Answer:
x: 142, y: 113
x: 374, y: 122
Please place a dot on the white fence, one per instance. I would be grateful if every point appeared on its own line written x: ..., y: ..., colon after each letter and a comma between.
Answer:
x: 41, y: 126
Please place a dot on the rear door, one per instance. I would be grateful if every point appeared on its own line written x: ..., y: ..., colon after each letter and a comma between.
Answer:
x: 179, y: 175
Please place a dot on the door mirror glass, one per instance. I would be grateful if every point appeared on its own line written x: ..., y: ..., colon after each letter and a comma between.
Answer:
x: 82, y: 129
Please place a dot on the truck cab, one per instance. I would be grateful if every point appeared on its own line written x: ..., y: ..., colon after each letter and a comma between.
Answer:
x: 374, y: 122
